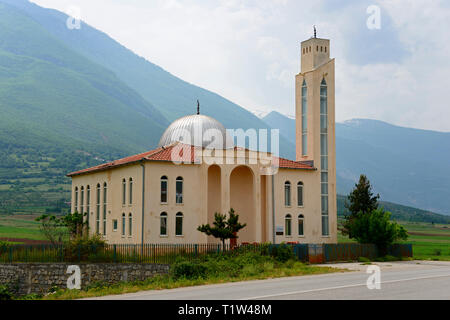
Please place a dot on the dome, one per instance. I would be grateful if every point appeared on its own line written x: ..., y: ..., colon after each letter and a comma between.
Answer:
x: 197, y: 130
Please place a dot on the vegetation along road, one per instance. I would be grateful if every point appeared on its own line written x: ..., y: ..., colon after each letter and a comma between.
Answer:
x: 399, y: 280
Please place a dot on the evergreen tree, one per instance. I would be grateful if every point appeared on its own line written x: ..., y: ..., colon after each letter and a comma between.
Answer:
x: 223, y: 228
x: 361, y: 200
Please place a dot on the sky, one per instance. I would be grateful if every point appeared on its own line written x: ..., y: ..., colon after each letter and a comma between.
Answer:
x: 392, y: 56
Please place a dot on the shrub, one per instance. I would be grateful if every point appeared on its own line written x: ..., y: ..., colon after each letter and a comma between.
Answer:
x: 282, y: 252
x: 437, y: 252
x: 363, y: 259
x: 86, y: 248
x: 188, y: 270
x: 5, y: 294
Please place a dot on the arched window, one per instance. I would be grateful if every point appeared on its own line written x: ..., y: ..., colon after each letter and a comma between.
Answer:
x: 124, y: 222
x: 82, y: 200
x: 164, y: 189
x: 124, y: 192
x: 179, y: 190
x: 97, y: 214
x: 288, y: 224
x: 75, y: 207
x: 301, y: 224
x: 130, y: 190
x: 179, y: 224
x: 304, y: 119
x: 105, y: 201
x: 130, y: 225
x: 287, y: 194
x: 324, y: 155
x: 300, y: 194
x: 88, y: 204
x: 163, y: 226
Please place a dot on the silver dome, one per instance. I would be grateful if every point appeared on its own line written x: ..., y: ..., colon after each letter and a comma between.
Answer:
x: 197, y: 130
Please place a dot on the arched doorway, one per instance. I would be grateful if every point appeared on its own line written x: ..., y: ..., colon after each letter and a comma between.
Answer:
x: 243, y: 202
x: 214, y: 196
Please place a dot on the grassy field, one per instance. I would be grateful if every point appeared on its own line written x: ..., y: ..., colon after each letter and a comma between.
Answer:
x: 20, y: 227
x: 430, y: 242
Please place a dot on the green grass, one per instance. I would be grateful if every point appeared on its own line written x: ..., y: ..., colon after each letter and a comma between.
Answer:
x: 22, y: 227
x: 218, y: 268
x: 430, y: 241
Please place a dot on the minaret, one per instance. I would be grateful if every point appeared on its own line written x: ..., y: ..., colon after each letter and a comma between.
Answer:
x: 315, y: 120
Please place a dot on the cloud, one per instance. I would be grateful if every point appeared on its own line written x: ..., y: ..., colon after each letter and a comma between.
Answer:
x: 248, y: 51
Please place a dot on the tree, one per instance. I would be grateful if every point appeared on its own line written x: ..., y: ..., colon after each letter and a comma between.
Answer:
x: 223, y: 228
x: 361, y: 200
x: 55, y: 229
x: 377, y: 228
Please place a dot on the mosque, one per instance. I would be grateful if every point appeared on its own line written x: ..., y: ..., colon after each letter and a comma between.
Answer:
x: 163, y: 195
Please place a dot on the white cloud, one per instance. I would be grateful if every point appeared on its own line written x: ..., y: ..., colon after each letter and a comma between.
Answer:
x: 248, y: 51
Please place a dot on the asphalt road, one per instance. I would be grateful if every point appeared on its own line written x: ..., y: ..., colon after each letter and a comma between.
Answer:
x: 399, y: 280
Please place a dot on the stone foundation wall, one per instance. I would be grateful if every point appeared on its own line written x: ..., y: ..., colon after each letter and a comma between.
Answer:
x: 27, y: 278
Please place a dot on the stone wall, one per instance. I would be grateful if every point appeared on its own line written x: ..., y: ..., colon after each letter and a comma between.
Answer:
x: 26, y: 278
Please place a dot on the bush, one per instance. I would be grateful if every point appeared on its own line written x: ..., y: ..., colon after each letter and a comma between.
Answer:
x: 282, y: 252
x: 5, y: 294
x: 375, y: 227
x: 188, y: 270
x: 437, y: 252
x: 363, y: 259
x: 87, y: 248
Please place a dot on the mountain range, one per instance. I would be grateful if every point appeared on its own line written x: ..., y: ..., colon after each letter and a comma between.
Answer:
x: 405, y: 165
x: 75, y: 98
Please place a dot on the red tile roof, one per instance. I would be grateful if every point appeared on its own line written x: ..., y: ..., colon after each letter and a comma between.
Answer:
x: 167, y: 153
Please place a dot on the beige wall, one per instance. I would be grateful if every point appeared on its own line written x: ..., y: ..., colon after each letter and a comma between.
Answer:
x: 239, y: 186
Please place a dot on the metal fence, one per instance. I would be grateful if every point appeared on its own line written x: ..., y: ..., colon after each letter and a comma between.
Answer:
x: 169, y: 253
x: 118, y: 253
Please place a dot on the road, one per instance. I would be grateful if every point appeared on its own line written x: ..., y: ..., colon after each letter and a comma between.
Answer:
x: 399, y: 280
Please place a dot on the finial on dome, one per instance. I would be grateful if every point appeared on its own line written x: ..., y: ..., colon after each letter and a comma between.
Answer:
x: 315, y: 32
x: 198, y: 107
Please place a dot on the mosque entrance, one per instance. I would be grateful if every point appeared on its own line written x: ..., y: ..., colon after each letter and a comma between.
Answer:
x: 242, y: 200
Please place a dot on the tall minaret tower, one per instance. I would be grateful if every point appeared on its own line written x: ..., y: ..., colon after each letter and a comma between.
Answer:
x: 315, y: 122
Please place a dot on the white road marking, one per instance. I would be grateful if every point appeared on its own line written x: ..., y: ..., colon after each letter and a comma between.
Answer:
x: 339, y: 287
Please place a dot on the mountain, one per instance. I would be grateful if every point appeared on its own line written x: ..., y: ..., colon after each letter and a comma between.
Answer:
x: 405, y: 165
x: 60, y: 111
x: 399, y: 212
x: 51, y: 92
x: 172, y: 96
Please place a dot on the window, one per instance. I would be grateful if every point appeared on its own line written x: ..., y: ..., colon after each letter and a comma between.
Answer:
x: 287, y: 194
x: 124, y: 222
x: 76, y: 200
x: 97, y: 216
x: 130, y: 190
x: 301, y: 221
x: 304, y: 119
x: 105, y: 199
x: 163, y: 226
x: 179, y: 224
x: 114, y: 225
x: 164, y: 189
x: 179, y: 190
x: 88, y: 203
x: 82, y: 201
x: 324, y: 156
x: 300, y: 194
x: 130, y: 225
x: 124, y: 192
x: 288, y: 225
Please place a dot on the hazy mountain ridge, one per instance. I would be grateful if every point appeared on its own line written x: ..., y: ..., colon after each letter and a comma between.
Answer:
x: 172, y: 96
x: 406, y: 165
